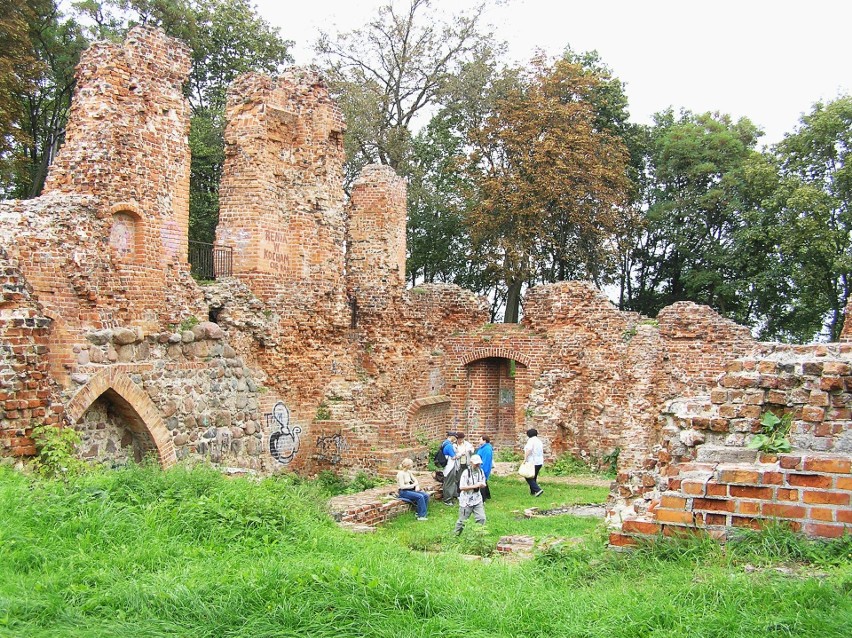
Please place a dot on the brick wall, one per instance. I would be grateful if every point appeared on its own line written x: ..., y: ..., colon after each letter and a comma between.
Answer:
x: 27, y: 392
x: 810, y: 491
x: 708, y: 433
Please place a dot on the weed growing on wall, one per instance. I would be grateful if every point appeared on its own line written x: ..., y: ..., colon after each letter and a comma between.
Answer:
x: 773, y: 437
x: 323, y: 413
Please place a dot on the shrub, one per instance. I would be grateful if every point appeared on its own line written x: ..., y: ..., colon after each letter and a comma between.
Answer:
x: 56, y: 449
x: 508, y: 455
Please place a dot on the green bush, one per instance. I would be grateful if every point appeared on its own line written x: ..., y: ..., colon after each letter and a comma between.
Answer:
x: 333, y: 484
x: 508, y: 455
x: 56, y: 450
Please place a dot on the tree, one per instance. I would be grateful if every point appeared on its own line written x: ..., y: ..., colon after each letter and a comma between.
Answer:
x: 19, y: 68
x: 814, y: 220
x: 696, y: 208
x: 389, y: 72
x: 548, y: 183
x: 39, y: 95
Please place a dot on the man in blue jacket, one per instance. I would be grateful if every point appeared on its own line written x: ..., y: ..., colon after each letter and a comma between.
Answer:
x: 486, y: 453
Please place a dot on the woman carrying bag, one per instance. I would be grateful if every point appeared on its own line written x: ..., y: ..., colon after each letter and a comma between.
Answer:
x: 533, y: 455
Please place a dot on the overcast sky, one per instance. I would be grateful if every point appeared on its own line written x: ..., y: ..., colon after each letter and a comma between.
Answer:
x: 766, y: 60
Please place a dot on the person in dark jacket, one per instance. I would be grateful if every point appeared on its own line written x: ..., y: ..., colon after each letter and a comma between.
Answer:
x: 451, y: 470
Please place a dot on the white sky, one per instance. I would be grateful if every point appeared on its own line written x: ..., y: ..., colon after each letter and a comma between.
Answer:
x: 768, y: 61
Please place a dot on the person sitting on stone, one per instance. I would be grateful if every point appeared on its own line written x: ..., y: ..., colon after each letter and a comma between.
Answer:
x: 409, y: 489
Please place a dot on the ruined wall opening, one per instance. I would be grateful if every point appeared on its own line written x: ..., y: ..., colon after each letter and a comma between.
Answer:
x: 113, y: 433
x: 120, y: 405
x: 490, y: 407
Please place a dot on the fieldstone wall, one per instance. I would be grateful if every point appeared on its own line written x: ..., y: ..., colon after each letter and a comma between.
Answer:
x: 206, y: 396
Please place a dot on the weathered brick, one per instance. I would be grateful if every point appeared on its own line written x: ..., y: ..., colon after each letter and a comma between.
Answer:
x: 809, y: 480
x: 634, y: 526
x: 713, y: 505
x: 764, y: 493
x: 824, y: 530
x: 739, y: 476
x: 673, y: 516
x: 826, y: 498
x: 828, y: 465
x: 778, y: 510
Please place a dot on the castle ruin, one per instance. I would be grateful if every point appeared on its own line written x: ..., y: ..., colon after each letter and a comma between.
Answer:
x: 312, y: 354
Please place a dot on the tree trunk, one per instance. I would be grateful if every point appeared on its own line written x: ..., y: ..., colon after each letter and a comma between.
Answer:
x: 513, y: 302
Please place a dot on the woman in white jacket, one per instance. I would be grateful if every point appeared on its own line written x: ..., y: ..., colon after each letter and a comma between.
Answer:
x: 534, y: 454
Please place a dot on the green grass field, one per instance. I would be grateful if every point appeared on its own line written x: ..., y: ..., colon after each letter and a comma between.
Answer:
x: 141, y: 552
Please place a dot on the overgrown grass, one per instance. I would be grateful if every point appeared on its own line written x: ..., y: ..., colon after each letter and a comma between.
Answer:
x: 139, y: 552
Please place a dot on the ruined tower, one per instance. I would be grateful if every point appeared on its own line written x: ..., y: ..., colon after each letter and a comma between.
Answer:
x: 281, y: 195
x: 127, y: 144
x: 375, y: 256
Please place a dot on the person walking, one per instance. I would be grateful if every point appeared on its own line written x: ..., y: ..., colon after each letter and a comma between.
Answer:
x: 409, y: 489
x: 534, y: 454
x: 486, y: 453
x: 451, y: 469
x: 471, y: 482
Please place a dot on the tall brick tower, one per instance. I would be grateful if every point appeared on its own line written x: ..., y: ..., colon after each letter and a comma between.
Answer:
x: 281, y: 198
x: 127, y: 144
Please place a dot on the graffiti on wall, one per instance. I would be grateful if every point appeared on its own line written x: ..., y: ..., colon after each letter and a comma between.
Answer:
x: 284, y: 440
x: 330, y: 448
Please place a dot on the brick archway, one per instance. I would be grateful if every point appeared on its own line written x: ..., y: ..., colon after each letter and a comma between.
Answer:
x: 495, y: 352
x: 133, y: 404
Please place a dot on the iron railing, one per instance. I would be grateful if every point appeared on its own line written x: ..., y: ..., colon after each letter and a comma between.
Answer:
x: 209, y: 262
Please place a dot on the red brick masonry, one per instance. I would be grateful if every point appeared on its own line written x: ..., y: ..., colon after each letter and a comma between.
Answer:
x: 810, y: 491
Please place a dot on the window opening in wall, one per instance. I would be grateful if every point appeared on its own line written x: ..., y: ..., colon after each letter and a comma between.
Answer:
x: 353, y: 307
x: 213, y: 314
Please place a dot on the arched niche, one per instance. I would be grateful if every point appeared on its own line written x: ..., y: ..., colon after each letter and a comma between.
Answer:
x: 131, y: 403
x: 126, y: 237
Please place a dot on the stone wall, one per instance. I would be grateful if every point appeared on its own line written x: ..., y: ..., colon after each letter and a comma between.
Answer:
x: 205, y: 395
x: 704, y: 438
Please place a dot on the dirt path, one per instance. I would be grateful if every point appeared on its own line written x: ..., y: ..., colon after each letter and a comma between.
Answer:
x: 504, y: 468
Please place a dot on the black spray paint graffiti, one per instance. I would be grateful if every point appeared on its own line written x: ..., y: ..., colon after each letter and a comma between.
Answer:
x: 284, y: 442
x: 330, y: 448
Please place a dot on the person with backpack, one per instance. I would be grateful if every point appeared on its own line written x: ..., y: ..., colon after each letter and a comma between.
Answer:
x: 451, y: 469
x: 471, y: 482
